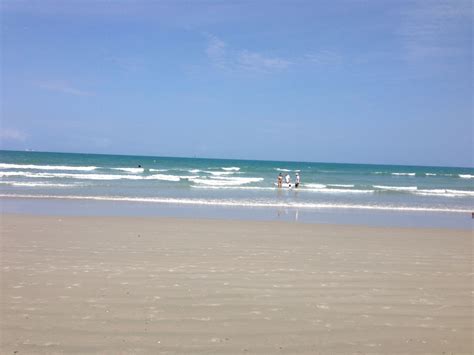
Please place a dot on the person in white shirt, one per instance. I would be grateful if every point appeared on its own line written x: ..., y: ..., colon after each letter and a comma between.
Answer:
x: 288, y: 180
x: 297, y: 182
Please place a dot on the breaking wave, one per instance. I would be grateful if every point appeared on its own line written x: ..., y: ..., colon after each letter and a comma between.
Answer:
x: 225, y: 181
x: 91, y: 176
x: 131, y: 170
x: 246, y: 203
x: 404, y: 174
x: 36, y: 184
x: 47, y: 167
x: 395, y: 188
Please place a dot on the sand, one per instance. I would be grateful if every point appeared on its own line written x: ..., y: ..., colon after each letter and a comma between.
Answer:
x: 110, y: 285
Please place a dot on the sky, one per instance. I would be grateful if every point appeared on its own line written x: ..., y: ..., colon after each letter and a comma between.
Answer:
x: 383, y: 82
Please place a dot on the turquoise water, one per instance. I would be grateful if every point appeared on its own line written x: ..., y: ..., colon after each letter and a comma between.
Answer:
x: 236, y: 183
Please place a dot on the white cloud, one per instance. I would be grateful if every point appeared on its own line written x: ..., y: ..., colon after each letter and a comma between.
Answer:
x: 224, y: 57
x: 63, y: 87
x: 11, y: 134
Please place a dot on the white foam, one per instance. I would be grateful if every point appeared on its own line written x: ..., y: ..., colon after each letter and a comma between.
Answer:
x: 433, y: 191
x: 89, y: 176
x: 395, y: 188
x: 323, y: 190
x: 221, y: 181
x: 430, y: 174
x: 163, y: 177
x: 69, y: 176
x: 338, y: 191
x: 315, y: 186
x: 159, y: 170
x: 35, y: 184
x: 189, y: 177
x: 212, y: 182
x: 461, y: 192
x: 131, y: 170
x: 47, y: 167
x: 466, y: 176
x: 194, y: 171
x: 427, y: 192
x: 445, y: 193
x: 244, y: 203
x: 219, y: 173
x: 340, y: 185
x: 232, y: 168
x: 404, y: 174
x: 232, y: 187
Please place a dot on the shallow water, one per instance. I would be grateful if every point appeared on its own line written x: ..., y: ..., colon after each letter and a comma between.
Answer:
x: 160, y: 183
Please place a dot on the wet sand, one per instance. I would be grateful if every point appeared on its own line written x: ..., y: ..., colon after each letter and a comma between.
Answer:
x: 114, y: 285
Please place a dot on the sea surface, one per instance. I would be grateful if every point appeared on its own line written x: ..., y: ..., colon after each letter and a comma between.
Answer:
x: 218, y: 184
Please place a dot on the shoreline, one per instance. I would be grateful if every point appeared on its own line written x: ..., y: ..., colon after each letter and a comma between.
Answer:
x: 103, y: 284
x: 275, y: 223
x: 334, y: 216
x: 237, y: 204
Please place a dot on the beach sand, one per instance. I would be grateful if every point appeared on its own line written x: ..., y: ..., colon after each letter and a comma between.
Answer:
x: 114, y: 285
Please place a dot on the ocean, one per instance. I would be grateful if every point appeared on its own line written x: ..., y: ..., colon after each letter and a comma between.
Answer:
x: 229, y: 185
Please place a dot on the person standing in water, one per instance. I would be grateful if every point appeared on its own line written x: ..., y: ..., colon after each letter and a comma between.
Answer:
x: 297, y: 181
x: 288, y: 179
x: 280, y: 180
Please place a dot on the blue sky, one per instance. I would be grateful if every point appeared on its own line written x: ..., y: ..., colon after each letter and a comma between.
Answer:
x: 336, y: 81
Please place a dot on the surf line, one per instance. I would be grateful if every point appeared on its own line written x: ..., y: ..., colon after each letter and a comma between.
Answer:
x: 177, y: 201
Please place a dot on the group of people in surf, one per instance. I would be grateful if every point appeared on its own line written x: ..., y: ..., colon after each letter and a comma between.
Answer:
x: 288, y: 180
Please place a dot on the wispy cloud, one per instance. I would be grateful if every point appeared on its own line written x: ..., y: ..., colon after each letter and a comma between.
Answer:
x: 324, y: 58
x: 63, y: 87
x: 225, y: 57
x: 258, y: 62
x: 12, y: 134
x: 216, y: 51
x: 433, y: 28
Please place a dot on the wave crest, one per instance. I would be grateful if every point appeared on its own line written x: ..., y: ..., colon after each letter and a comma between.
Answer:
x: 131, y: 170
x: 47, y: 167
